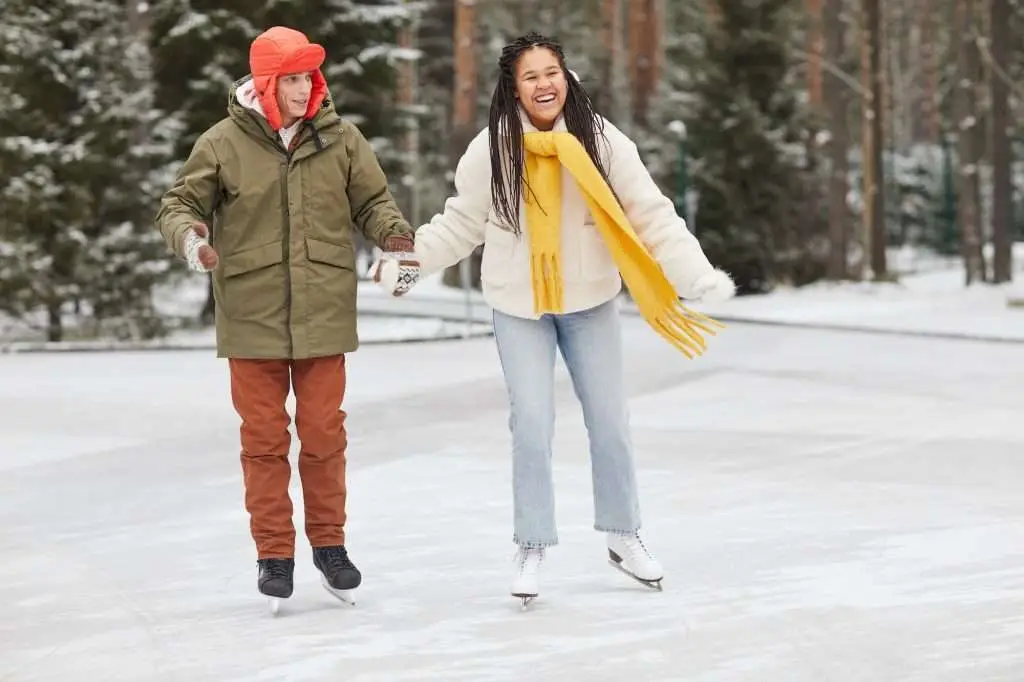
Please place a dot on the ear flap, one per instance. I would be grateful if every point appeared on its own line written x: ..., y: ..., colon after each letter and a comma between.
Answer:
x: 316, y: 94
x: 266, y: 89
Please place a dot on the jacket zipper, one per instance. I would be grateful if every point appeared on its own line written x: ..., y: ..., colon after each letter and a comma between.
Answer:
x: 287, y: 212
x: 285, y: 167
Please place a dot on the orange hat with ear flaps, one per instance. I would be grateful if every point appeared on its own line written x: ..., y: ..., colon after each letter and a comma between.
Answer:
x: 280, y: 51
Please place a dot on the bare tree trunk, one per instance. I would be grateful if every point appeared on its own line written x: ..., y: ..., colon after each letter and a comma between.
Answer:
x: 55, y: 325
x: 899, y: 32
x: 657, y: 14
x: 138, y: 16
x: 981, y: 117
x: 636, y: 61
x: 644, y: 49
x: 407, y: 96
x: 58, y: 273
x: 616, y: 103
x: 835, y: 99
x: 929, y: 123
x: 465, y: 95
x: 966, y: 120
x: 1002, y: 153
x: 874, y: 193
x: 464, y: 110
x: 815, y: 48
x: 714, y: 11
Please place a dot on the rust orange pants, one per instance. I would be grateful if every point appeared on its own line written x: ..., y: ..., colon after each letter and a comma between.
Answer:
x: 259, y: 389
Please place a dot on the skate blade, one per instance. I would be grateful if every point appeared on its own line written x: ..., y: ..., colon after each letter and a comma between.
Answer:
x: 345, y: 596
x: 525, y: 600
x: 652, y: 584
x: 275, y: 605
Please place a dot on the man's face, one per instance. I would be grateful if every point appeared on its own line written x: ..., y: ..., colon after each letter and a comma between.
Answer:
x: 293, y: 95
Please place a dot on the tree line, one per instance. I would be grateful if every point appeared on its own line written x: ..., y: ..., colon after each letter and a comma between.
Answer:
x: 801, y: 139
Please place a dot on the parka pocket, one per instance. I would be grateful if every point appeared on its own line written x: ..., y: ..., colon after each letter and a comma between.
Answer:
x: 332, y: 277
x: 254, y: 284
x: 338, y: 255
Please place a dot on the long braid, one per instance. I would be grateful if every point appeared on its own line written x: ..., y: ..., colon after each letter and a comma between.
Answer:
x: 506, y: 128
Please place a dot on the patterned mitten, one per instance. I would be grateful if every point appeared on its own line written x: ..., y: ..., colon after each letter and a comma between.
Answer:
x: 199, y: 255
x: 398, y: 270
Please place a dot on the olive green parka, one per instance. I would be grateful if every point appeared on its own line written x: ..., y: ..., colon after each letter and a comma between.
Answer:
x: 282, y: 222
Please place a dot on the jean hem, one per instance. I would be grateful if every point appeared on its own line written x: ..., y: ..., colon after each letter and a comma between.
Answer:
x: 534, y: 544
x: 616, y: 531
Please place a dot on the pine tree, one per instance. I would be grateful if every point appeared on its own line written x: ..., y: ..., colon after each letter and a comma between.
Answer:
x: 361, y: 39
x: 755, y: 214
x: 664, y: 142
x: 197, y: 54
x: 200, y: 52
x: 80, y: 164
x: 435, y: 76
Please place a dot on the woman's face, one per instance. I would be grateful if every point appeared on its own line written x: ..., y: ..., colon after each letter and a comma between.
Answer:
x: 541, y: 86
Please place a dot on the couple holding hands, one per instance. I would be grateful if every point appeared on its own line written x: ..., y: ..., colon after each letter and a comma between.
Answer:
x: 269, y: 200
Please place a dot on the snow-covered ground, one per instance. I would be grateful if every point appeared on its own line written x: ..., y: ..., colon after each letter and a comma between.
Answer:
x: 185, y: 298
x: 828, y: 506
x: 936, y: 303
x: 929, y: 299
x: 373, y: 329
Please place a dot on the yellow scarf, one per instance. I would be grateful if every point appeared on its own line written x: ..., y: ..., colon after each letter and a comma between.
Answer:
x: 654, y: 295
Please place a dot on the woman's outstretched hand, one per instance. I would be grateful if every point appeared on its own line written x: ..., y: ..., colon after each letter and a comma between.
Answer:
x: 714, y: 287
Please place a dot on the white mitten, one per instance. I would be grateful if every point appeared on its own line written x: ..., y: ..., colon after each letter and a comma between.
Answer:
x: 398, y: 270
x: 714, y: 287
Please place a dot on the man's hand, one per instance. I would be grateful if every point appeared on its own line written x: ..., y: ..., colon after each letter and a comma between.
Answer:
x: 199, y: 255
x: 398, y: 270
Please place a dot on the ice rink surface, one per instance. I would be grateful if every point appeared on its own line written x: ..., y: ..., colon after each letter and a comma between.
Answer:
x: 829, y: 507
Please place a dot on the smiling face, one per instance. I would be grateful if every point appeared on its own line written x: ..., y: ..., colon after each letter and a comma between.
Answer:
x: 541, y: 86
x: 293, y: 91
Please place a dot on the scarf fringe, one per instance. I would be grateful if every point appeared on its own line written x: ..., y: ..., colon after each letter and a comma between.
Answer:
x: 679, y: 325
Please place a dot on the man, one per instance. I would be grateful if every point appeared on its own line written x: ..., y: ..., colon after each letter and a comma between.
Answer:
x: 268, y: 201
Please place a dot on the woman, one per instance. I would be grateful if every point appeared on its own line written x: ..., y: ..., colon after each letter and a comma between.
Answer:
x: 555, y: 192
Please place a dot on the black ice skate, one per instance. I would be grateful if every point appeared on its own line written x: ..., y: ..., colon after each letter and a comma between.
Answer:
x: 338, y: 574
x: 276, y: 580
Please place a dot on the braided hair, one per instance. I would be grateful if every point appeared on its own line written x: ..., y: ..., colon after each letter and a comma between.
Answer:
x: 506, y: 128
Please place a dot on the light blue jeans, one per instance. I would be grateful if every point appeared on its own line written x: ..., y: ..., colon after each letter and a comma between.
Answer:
x: 591, y: 345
